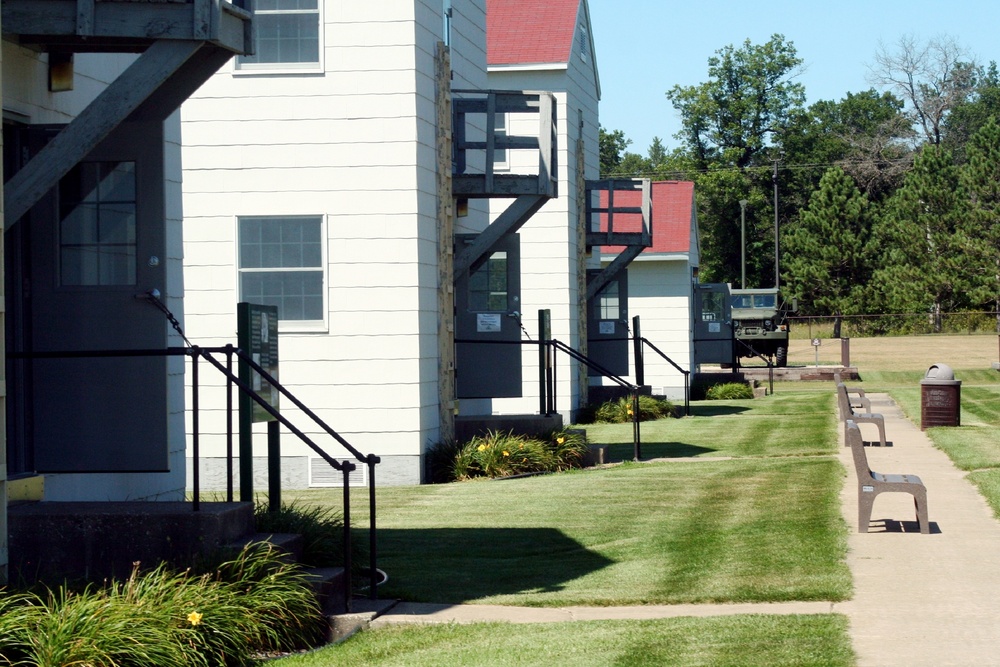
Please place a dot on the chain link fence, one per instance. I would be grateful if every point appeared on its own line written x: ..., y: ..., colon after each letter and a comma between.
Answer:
x: 894, y: 324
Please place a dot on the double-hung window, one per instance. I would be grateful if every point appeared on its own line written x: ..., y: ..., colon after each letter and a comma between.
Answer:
x: 281, y: 264
x: 288, y: 36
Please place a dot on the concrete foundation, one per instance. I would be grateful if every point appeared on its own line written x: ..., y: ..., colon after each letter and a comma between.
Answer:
x: 53, y: 541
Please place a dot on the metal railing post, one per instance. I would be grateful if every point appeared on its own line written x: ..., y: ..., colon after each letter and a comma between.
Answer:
x: 347, y: 537
x: 640, y: 363
x: 196, y: 428
x: 372, y: 542
x: 229, y: 423
x: 636, y: 436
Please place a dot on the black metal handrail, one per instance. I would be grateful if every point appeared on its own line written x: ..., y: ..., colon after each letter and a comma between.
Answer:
x: 621, y: 382
x: 686, y: 373
x: 196, y: 352
x: 550, y: 381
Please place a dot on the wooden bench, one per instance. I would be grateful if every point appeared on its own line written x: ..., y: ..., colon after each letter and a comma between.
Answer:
x: 847, y: 413
x: 855, y: 394
x: 870, y: 483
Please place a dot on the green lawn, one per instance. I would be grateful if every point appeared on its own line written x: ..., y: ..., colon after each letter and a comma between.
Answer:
x: 762, y: 524
x: 975, y: 445
x: 790, y: 423
x: 733, y: 641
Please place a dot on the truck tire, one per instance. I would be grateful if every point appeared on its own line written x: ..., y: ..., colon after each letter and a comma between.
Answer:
x: 781, y: 357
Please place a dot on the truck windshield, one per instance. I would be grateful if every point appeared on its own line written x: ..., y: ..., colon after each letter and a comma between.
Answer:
x: 763, y: 301
x: 753, y: 301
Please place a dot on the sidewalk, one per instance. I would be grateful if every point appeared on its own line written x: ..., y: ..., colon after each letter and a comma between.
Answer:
x: 922, y: 599
x: 929, y: 600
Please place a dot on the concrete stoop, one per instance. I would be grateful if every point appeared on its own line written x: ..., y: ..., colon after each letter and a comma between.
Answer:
x: 55, y: 541
x: 52, y: 542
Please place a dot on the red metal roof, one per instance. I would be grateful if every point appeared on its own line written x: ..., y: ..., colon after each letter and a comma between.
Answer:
x: 520, y: 32
x: 673, y: 217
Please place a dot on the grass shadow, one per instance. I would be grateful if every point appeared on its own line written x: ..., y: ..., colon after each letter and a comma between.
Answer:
x: 656, y: 450
x: 714, y: 410
x: 456, y: 565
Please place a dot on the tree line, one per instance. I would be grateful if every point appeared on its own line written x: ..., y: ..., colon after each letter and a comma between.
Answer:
x: 888, y: 199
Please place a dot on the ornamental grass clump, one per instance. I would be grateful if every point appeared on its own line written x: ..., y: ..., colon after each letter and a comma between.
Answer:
x: 619, y: 411
x: 504, y: 454
x: 321, y: 528
x: 253, y: 604
x: 729, y: 391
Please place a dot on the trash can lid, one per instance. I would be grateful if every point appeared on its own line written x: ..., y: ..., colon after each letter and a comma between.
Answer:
x: 940, y: 372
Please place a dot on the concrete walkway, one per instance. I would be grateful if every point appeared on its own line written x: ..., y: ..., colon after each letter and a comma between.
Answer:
x: 919, y: 599
x: 922, y: 599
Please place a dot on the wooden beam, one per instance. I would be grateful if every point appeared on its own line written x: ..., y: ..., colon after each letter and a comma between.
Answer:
x: 511, y: 220
x: 188, y: 78
x: 116, y: 103
x: 611, y: 271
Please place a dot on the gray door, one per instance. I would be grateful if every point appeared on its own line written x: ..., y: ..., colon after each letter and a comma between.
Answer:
x: 487, y: 323
x: 713, y: 324
x: 96, y: 245
x: 607, y: 326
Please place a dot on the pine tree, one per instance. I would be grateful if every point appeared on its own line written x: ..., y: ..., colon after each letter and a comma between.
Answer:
x: 931, y: 249
x: 826, y: 263
x: 980, y: 177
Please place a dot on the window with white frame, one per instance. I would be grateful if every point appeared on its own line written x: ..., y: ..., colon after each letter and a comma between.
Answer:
x: 288, y: 36
x: 281, y: 264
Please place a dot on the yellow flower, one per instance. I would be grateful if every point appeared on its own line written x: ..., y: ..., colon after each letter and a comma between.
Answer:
x: 194, y: 618
x: 481, y: 448
x: 560, y: 440
x: 506, y: 453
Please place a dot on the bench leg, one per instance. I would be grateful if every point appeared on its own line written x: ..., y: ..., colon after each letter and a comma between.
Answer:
x: 881, y: 432
x: 865, y: 502
x: 920, y: 504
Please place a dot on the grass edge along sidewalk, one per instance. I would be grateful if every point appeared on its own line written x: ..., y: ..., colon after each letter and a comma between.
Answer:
x: 762, y: 526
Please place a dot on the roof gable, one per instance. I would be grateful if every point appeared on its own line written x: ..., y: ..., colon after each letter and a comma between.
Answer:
x: 520, y: 32
x: 673, y: 217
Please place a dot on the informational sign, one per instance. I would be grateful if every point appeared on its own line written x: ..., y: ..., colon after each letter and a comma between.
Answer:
x: 488, y: 322
x: 714, y: 327
x: 606, y: 327
x: 816, y: 342
x: 258, y: 337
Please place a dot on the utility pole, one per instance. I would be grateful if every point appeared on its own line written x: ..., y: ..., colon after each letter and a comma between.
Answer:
x: 743, y: 243
x: 774, y: 179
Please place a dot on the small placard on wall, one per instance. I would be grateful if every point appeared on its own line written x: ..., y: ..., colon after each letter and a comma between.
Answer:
x: 714, y: 327
x: 606, y: 327
x: 488, y: 322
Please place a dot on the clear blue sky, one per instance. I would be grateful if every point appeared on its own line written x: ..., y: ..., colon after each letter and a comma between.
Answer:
x: 645, y: 47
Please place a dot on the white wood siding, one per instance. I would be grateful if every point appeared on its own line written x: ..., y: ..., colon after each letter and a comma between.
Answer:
x: 549, y: 239
x: 355, y: 145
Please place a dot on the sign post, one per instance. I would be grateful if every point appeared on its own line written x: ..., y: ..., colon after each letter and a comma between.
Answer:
x: 816, y: 342
x: 257, y: 336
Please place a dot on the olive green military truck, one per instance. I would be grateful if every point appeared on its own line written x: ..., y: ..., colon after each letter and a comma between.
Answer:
x: 760, y: 324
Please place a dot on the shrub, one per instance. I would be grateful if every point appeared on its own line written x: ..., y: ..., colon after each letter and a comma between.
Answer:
x: 257, y: 602
x: 729, y: 391
x: 322, y: 530
x: 503, y: 454
x: 620, y: 410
